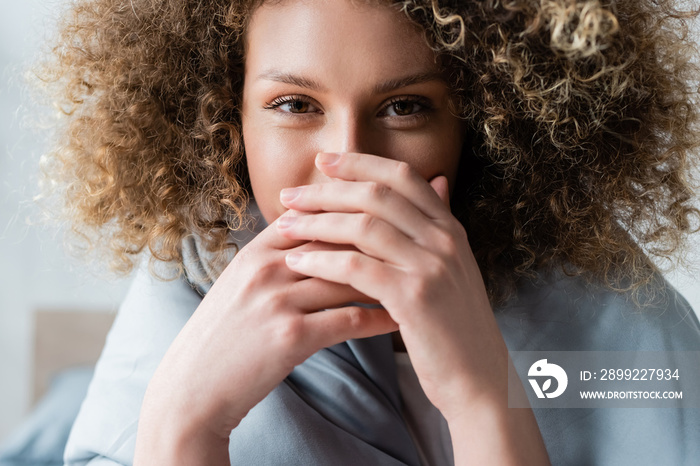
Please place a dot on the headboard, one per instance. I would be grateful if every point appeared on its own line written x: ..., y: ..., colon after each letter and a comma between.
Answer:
x: 66, y: 338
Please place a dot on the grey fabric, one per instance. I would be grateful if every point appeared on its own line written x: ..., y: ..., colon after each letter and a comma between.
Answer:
x: 565, y: 314
x: 342, y: 406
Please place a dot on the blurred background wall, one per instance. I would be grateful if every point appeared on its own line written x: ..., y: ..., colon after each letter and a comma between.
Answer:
x: 35, y: 273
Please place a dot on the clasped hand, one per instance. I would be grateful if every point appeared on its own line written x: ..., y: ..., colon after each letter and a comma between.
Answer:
x: 378, y: 232
x: 411, y: 255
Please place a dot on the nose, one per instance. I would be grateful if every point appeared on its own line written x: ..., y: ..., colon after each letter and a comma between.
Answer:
x: 348, y: 133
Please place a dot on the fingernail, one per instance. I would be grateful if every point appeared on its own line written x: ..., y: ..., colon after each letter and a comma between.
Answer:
x: 293, y: 258
x: 286, y: 221
x: 326, y: 158
x: 289, y: 194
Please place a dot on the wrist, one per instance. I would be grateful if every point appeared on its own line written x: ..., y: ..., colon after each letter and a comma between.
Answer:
x: 158, y: 443
x: 176, y: 427
x: 489, y: 432
x: 184, y: 401
x: 171, y: 436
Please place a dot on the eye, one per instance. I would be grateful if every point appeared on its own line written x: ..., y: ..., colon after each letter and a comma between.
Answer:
x: 406, y: 106
x: 292, y: 104
x: 400, y: 109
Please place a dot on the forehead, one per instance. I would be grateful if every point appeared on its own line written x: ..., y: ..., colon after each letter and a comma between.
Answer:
x: 353, y: 37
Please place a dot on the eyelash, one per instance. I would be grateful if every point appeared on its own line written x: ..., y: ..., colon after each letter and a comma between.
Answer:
x: 425, y: 105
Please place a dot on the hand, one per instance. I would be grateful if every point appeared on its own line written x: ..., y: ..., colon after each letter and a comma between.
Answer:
x: 412, y: 256
x: 257, y: 322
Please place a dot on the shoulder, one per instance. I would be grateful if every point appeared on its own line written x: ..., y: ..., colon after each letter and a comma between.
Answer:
x: 568, y: 313
x: 151, y: 315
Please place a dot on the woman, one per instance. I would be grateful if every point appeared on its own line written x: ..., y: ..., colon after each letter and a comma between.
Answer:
x: 557, y: 133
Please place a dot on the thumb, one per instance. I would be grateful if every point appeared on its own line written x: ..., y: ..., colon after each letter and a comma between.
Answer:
x: 439, y: 184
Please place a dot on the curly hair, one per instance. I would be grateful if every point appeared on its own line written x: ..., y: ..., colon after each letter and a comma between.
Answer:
x: 582, y: 116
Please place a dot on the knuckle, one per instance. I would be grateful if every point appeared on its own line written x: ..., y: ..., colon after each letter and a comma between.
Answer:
x: 290, y: 333
x: 462, y: 234
x: 435, y: 268
x: 417, y: 292
x: 277, y: 301
x: 356, y: 318
x: 366, y: 224
x: 352, y: 262
x: 445, y: 242
x: 404, y: 171
x: 423, y: 283
x: 258, y: 274
x: 266, y: 271
x: 376, y: 191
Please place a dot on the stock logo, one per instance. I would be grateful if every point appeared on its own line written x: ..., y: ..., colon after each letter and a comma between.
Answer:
x: 547, y: 371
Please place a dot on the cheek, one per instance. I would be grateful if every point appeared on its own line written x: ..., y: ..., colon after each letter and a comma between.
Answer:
x: 436, y: 152
x: 276, y: 160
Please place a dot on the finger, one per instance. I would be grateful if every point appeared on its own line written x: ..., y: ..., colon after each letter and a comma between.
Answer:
x: 440, y: 185
x: 313, y: 294
x: 371, y: 235
x: 366, y: 274
x: 371, y: 197
x: 328, y: 328
x: 397, y: 175
x: 305, y: 246
x: 270, y: 237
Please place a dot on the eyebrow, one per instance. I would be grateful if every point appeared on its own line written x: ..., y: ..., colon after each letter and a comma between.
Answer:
x: 381, y: 88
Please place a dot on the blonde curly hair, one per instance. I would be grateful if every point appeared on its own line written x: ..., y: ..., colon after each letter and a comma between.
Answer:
x: 582, y: 116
